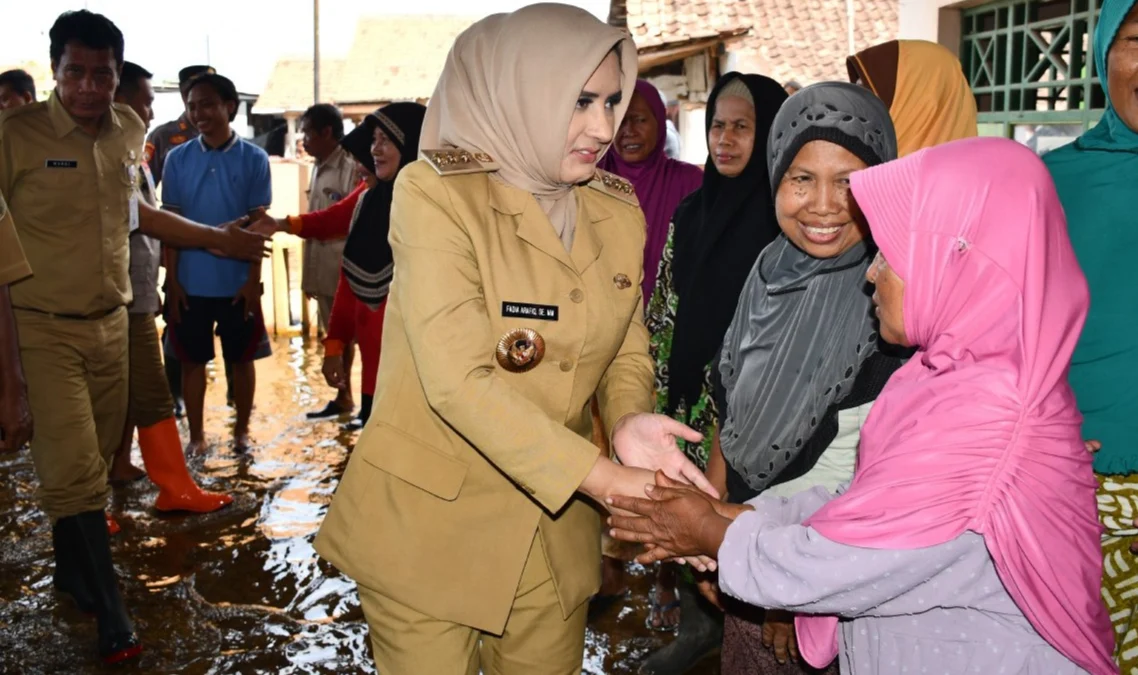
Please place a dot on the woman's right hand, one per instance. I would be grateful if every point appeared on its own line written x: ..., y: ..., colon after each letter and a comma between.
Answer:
x: 608, y: 479
x: 333, y: 370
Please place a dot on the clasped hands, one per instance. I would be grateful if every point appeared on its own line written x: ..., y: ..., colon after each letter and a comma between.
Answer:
x: 648, y: 442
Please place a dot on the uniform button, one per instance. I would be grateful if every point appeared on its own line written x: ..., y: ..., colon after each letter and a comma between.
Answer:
x: 566, y: 366
x: 577, y: 295
x: 479, y: 290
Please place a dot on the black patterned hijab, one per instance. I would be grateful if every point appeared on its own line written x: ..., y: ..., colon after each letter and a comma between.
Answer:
x: 717, y: 233
x: 368, y: 260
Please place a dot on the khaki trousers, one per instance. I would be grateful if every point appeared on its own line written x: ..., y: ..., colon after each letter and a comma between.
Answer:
x: 150, y: 399
x: 536, y: 641
x: 77, y: 388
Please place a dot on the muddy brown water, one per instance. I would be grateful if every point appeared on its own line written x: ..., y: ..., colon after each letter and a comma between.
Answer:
x: 242, y: 590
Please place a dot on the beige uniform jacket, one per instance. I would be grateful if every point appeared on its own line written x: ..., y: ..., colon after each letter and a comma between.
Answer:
x: 464, y: 460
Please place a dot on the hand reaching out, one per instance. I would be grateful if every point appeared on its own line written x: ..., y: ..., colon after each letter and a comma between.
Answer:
x: 648, y: 441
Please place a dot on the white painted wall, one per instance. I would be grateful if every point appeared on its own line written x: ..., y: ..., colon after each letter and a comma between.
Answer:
x: 693, y: 139
x: 917, y: 19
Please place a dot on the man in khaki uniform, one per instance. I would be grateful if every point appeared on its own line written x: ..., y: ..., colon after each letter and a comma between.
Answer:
x: 71, y: 168
x: 334, y: 177
x: 15, y: 416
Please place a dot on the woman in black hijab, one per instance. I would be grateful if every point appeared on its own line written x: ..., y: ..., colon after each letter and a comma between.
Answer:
x: 391, y: 138
x: 717, y: 234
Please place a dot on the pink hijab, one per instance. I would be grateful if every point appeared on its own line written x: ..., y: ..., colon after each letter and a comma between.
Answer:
x: 661, y: 183
x: 979, y: 430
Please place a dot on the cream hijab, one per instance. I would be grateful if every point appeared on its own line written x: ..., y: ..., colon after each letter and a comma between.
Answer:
x: 509, y: 89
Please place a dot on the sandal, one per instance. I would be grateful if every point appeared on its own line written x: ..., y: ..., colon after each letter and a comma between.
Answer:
x: 656, y: 612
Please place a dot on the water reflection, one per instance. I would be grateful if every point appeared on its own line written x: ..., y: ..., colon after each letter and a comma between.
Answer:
x: 240, y: 590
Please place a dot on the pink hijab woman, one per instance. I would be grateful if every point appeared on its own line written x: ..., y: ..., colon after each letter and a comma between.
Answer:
x: 979, y: 431
x: 968, y: 539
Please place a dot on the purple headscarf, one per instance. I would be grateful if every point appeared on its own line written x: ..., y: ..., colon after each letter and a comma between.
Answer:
x: 661, y: 184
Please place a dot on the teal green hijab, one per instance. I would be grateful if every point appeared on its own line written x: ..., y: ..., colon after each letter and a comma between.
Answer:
x: 1097, y: 180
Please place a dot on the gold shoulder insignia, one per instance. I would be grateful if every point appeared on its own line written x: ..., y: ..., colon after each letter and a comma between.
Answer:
x: 614, y: 186
x: 456, y: 161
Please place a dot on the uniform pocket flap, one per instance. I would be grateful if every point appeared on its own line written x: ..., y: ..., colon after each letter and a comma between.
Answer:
x: 410, y: 460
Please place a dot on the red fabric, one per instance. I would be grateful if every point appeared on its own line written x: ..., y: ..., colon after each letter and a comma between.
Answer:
x: 351, y: 320
x: 342, y: 322
x: 332, y: 222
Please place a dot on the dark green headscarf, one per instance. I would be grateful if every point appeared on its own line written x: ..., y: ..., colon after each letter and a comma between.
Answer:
x: 1097, y: 180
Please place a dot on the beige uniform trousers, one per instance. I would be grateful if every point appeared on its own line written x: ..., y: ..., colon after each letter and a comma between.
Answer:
x: 150, y: 399
x: 536, y: 641
x: 77, y: 387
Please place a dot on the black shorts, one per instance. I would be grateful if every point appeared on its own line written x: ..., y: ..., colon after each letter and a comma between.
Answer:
x: 241, y: 335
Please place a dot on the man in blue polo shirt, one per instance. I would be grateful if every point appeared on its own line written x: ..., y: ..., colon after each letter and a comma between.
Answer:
x: 206, y: 179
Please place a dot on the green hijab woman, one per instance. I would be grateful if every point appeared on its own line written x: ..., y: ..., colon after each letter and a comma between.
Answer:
x: 1097, y: 180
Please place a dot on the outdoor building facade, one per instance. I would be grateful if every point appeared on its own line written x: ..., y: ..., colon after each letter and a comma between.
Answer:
x: 1029, y: 62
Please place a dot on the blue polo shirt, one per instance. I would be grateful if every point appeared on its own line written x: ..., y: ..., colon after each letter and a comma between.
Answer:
x: 214, y: 186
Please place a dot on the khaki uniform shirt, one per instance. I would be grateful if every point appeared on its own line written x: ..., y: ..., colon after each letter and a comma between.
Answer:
x: 332, y: 180
x: 468, y: 455
x: 13, y: 265
x: 71, y: 196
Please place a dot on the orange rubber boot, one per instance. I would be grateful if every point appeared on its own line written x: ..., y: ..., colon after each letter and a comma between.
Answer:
x: 166, y: 466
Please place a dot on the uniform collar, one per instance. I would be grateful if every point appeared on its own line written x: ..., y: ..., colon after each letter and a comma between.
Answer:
x: 63, y: 123
x: 333, y: 158
x: 225, y: 148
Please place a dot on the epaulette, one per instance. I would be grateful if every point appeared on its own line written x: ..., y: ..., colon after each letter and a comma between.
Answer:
x: 614, y: 186
x: 456, y: 161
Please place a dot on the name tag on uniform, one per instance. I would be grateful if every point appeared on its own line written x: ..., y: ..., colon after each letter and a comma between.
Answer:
x: 62, y: 164
x: 527, y: 311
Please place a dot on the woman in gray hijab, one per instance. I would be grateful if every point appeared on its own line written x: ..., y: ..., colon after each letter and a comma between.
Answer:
x: 801, y: 362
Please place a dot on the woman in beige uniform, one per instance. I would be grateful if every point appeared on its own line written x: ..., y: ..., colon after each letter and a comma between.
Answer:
x: 464, y: 512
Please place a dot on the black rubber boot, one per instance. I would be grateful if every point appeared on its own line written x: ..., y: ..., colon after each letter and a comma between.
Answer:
x: 68, y: 578
x: 700, y: 633
x: 87, y: 534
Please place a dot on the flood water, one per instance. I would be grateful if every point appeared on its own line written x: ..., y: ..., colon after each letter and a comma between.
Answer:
x: 241, y: 590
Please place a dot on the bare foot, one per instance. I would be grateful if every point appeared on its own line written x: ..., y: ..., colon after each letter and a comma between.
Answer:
x: 194, y: 448
x: 242, y: 443
x: 125, y: 472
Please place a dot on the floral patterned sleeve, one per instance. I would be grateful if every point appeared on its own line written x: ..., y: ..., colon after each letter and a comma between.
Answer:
x: 659, y: 319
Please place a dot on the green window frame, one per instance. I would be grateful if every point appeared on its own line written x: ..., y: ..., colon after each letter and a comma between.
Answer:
x: 1029, y: 62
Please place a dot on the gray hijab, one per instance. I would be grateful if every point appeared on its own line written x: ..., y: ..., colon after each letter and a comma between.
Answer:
x: 804, y: 325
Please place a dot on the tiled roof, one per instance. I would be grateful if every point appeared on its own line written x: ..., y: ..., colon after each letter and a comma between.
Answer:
x: 804, y: 40
x: 290, y: 85
x: 392, y: 58
x: 808, y: 40
x: 654, y: 23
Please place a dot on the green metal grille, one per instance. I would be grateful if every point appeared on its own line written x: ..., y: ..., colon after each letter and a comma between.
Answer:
x: 1030, y: 62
